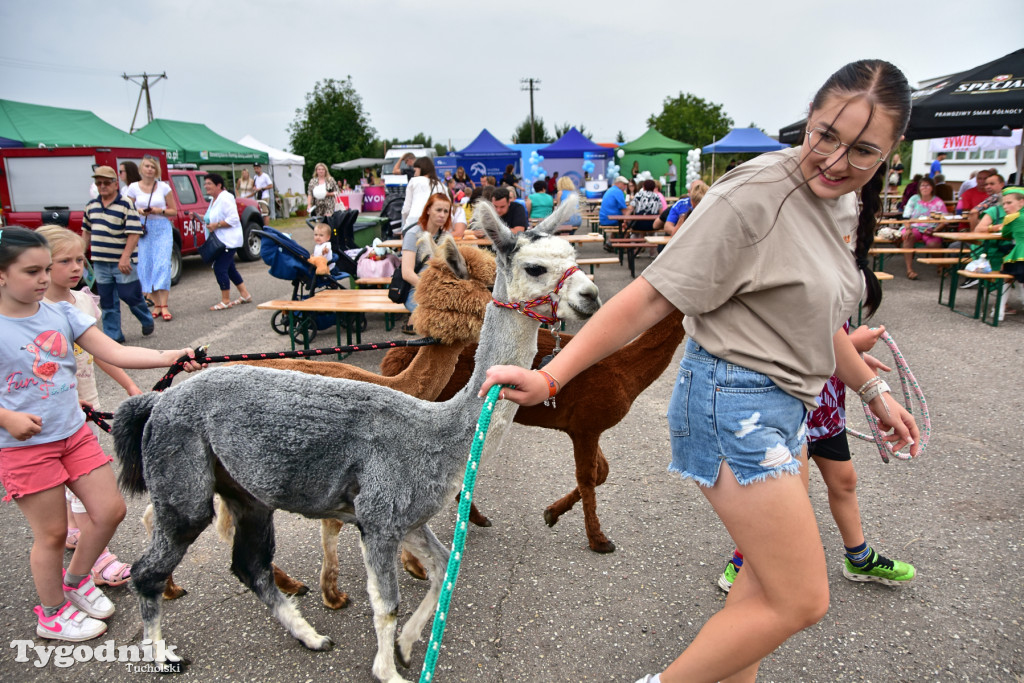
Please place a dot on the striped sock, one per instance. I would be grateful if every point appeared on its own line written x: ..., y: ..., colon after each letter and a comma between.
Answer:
x: 860, y: 555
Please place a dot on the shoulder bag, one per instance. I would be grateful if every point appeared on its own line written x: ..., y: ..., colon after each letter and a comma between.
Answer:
x: 398, y: 290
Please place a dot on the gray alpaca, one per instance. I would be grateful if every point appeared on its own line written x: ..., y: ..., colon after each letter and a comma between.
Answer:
x: 331, y: 448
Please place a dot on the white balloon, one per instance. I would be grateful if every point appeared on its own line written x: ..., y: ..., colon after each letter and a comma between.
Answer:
x: 319, y: 192
x: 620, y: 153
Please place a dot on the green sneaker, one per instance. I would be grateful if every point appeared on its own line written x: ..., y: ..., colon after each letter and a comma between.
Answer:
x: 881, y: 570
x: 727, y: 578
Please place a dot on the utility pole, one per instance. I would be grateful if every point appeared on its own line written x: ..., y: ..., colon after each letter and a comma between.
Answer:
x: 530, y: 84
x: 143, y: 88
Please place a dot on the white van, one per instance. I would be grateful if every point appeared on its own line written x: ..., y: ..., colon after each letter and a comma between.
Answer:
x: 396, y: 153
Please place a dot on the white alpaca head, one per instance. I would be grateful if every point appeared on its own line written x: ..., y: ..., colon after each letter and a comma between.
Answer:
x: 531, y: 264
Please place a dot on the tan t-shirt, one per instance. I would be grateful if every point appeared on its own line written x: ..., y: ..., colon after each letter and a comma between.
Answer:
x: 762, y: 293
x: 86, y: 373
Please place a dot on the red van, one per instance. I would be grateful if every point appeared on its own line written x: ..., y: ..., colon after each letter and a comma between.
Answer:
x: 39, y: 186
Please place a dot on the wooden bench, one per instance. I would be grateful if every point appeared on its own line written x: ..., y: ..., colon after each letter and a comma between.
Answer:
x: 594, y: 262
x: 373, y: 282
x: 944, y: 264
x: 879, y: 253
x: 628, y: 247
x: 986, y: 283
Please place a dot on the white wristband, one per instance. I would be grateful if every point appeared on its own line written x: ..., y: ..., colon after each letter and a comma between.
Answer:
x: 874, y: 391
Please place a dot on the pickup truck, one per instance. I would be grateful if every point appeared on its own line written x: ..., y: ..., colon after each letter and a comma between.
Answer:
x: 51, y: 185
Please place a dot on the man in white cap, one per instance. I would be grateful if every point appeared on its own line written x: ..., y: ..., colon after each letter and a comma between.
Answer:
x: 264, y: 187
x: 613, y: 203
x: 111, y: 227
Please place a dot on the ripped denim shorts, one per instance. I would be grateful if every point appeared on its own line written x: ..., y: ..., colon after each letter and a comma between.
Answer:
x: 723, y: 413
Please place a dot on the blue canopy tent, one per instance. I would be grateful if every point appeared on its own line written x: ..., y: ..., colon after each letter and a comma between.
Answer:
x: 742, y: 141
x: 486, y: 155
x: 567, y: 154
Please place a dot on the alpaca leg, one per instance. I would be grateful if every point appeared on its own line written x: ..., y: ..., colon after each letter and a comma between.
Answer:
x: 596, y: 474
x: 380, y: 549
x: 172, y: 591
x: 564, y: 504
x: 151, y: 571
x: 333, y: 598
x: 251, y: 558
x: 412, y: 566
x: 476, y: 517
x: 423, y: 542
x: 286, y: 584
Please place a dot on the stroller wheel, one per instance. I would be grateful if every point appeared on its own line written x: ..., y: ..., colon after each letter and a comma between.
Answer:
x: 279, y: 322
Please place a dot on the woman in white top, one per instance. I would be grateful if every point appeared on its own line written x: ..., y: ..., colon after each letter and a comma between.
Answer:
x: 422, y: 185
x: 154, y: 203
x: 764, y: 272
x: 222, y: 218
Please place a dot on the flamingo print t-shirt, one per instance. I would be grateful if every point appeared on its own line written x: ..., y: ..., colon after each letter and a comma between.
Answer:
x: 38, y: 359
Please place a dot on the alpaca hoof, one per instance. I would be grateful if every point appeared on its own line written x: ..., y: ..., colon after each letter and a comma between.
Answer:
x: 550, y: 518
x: 298, y: 590
x: 336, y: 600
x: 177, y: 667
x: 602, y: 547
x: 324, y: 644
x: 400, y: 658
x: 480, y: 520
x: 173, y: 591
x: 413, y: 567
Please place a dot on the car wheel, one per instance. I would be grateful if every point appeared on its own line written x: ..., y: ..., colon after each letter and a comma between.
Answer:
x: 251, y: 243
x: 175, y: 264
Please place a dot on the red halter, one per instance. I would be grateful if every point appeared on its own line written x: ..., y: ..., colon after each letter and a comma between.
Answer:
x: 526, y: 308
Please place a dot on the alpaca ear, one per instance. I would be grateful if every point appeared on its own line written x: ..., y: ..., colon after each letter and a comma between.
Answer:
x: 561, y: 216
x: 450, y: 254
x: 488, y: 220
x: 426, y: 249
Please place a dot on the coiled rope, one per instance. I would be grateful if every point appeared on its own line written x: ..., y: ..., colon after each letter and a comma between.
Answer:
x: 459, y: 542
x: 100, y: 418
x: 911, y: 392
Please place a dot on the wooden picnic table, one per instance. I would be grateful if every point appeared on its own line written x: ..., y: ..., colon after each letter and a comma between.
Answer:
x: 943, y: 220
x: 341, y: 302
x: 658, y: 240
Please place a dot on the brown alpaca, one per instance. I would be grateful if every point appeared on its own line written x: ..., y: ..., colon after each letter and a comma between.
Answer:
x: 596, y: 400
x: 451, y: 309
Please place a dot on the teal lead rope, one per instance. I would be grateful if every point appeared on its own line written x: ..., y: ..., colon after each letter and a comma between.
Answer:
x: 451, y: 575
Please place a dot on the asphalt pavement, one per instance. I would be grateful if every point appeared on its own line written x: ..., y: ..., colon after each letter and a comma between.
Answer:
x: 533, y: 603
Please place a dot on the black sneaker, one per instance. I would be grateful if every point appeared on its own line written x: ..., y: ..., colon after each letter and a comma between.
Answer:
x: 968, y: 284
x: 146, y: 331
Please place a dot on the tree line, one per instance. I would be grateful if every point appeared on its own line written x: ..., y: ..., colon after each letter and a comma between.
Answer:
x: 333, y: 126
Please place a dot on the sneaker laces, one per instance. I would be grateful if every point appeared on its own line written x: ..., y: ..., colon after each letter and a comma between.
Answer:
x: 880, y: 561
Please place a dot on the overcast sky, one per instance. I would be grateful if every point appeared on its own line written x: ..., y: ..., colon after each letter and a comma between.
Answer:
x: 449, y: 69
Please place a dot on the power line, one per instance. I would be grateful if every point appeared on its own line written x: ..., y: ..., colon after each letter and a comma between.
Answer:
x: 30, y: 65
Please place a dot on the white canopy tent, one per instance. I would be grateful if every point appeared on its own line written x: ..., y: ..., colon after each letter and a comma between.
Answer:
x: 285, y: 168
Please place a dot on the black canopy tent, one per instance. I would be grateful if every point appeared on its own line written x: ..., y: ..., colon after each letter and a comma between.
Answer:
x: 985, y: 100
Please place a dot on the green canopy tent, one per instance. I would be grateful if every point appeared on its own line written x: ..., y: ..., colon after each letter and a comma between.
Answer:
x: 194, y: 143
x: 653, y: 150
x: 33, y: 125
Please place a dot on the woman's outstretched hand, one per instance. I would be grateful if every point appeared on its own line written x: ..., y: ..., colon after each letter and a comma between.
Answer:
x: 525, y: 387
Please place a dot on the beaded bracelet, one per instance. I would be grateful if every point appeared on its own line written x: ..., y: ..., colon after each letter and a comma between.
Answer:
x: 874, y: 391
x: 868, y: 384
x: 553, y: 384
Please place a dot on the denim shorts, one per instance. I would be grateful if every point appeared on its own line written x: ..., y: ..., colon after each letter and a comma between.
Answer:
x: 724, y: 413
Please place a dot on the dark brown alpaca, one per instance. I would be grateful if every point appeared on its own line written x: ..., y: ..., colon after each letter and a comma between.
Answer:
x: 596, y: 400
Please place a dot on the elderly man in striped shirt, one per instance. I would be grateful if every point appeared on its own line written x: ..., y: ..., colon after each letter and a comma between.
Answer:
x: 112, y: 228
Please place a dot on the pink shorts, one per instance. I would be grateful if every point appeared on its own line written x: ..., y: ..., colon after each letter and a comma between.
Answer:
x: 929, y: 240
x: 25, y: 470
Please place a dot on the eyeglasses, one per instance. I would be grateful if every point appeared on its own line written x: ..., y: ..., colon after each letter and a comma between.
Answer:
x: 860, y: 155
x: 150, y: 157
x: 103, y: 181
